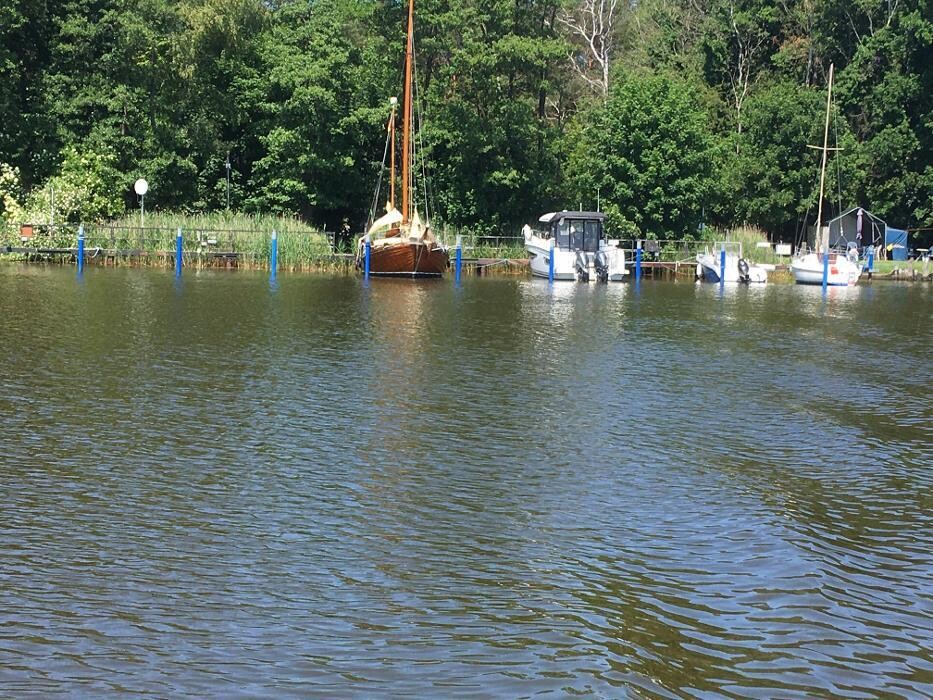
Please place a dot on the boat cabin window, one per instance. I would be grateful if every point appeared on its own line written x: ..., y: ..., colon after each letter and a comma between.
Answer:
x: 562, y: 233
x: 591, y: 237
x: 578, y: 234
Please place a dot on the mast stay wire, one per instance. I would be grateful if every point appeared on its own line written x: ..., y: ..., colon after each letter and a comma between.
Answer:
x: 382, y: 170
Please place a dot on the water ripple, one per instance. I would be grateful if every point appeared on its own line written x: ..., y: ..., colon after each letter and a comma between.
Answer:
x: 500, y: 489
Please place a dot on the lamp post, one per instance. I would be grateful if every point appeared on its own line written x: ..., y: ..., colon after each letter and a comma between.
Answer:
x: 141, y: 187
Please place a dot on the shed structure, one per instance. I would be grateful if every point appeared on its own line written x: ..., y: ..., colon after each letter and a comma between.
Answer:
x: 861, y: 227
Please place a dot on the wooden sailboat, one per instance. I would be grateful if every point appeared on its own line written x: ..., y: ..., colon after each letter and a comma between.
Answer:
x: 401, y: 243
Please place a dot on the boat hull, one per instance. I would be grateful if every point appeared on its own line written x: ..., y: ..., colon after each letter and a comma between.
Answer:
x: 708, y: 269
x: 841, y: 272
x: 539, y: 254
x: 407, y: 259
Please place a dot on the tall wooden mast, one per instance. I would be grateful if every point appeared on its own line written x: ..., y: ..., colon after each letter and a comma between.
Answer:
x: 820, y: 243
x: 392, y: 155
x: 407, y: 116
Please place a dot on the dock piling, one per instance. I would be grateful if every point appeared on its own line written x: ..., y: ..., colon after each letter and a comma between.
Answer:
x: 178, y: 252
x: 638, y: 261
x: 550, y: 264
x: 825, y: 269
x: 871, y: 260
x: 722, y: 264
x: 459, y: 259
x: 80, y: 249
x: 367, y: 256
x: 274, y: 259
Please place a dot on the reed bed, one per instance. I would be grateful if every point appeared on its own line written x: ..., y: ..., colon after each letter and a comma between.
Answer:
x: 239, y: 240
x: 217, y: 222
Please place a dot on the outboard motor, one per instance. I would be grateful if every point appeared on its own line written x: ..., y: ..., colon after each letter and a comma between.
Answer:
x: 583, y: 267
x: 743, y: 271
x: 601, y: 263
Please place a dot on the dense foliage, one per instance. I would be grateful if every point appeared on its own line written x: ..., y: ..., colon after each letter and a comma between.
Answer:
x: 670, y: 112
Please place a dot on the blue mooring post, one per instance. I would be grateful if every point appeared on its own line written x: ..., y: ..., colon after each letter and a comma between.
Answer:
x: 274, y: 258
x: 722, y: 264
x: 80, y: 249
x: 178, y: 253
x: 871, y: 260
x: 459, y: 259
x: 368, y: 247
x: 825, y: 268
x: 638, y: 262
x: 550, y: 264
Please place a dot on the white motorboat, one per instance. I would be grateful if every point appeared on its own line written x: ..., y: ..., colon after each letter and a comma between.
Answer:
x: 578, y: 243
x: 738, y: 269
x: 842, y: 270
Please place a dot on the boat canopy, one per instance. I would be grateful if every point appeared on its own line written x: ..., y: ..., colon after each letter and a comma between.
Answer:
x: 558, y: 215
x: 575, y: 230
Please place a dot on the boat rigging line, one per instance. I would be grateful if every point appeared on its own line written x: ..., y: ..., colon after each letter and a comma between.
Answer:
x: 375, y: 204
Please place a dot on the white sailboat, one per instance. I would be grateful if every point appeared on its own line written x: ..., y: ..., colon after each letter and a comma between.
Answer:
x: 838, y: 268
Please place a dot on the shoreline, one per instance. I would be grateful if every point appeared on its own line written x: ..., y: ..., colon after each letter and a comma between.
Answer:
x: 910, y: 271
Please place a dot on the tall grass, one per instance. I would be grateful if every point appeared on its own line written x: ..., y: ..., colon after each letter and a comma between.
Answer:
x: 216, y: 222
x: 206, y: 239
x: 749, y: 237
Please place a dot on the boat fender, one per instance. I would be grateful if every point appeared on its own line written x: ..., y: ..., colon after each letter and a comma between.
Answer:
x: 601, y: 263
x: 743, y: 270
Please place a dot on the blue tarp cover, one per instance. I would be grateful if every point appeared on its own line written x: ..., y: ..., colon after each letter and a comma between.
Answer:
x: 897, y: 238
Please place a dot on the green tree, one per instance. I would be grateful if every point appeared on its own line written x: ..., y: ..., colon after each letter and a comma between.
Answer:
x: 492, y: 145
x: 775, y: 174
x: 740, y: 40
x: 318, y: 112
x: 649, y: 154
x: 27, y: 138
x: 886, y: 92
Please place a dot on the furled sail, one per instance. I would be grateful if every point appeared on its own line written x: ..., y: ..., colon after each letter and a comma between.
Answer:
x: 391, y: 218
x: 417, y: 228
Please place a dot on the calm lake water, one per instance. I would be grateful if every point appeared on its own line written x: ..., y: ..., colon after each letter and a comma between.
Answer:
x: 322, y: 488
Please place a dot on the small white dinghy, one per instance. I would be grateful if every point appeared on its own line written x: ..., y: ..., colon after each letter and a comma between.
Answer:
x: 737, y: 269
